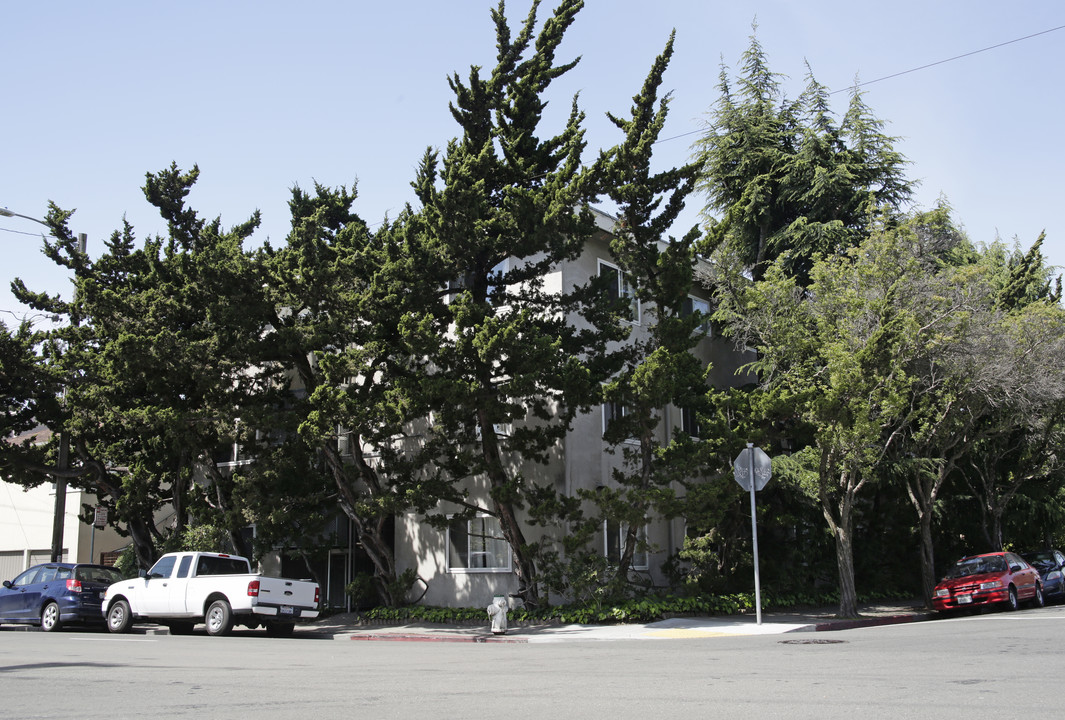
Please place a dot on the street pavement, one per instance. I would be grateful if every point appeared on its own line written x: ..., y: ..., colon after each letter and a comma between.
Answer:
x: 351, y: 627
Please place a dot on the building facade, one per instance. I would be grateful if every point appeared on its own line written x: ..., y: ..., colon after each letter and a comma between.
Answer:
x: 469, y: 563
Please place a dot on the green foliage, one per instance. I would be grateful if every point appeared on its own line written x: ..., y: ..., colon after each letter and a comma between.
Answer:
x: 660, y: 368
x: 361, y: 590
x: 788, y: 182
x: 366, y: 368
x: 642, y: 610
x: 500, y: 208
x: 127, y: 562
x: 28, y: 397
x: 204, y: 538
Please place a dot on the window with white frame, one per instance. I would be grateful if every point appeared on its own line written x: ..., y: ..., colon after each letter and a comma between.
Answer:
x: 477, y: 545
x: 501, y: 430
x: 621, y: 287
x: 694, y: 305
x: 614, y: 544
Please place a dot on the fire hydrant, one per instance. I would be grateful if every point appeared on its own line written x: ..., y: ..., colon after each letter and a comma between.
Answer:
x: 498, y: 612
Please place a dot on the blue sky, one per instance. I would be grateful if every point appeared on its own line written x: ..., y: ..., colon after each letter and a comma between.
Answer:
x: 265, y: 95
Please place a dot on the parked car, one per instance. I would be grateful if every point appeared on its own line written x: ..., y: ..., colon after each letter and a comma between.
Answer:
x: 1051, y: 567
x: 54, y: 594
x: 989, y: 579
x: 219, y: 590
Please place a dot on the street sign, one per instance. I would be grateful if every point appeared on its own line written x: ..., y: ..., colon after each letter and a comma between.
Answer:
x: 763, y: 468
x: 100, y: 518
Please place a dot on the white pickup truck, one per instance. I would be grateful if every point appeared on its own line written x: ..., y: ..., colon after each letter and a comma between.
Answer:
x: 185, y: 588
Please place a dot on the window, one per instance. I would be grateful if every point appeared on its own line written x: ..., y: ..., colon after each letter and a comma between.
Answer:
x: 183, y: 568
x: 162, y: 568
x: 477, y: 545
x: 614, y: 544
x: 501, y: 430
x: 621, y: 287
x: 495, y: 277
x: 211, y: 565
x: 689, y: 422
x: 694, y: 305
x: 26, y: 578
x: 613, y: 410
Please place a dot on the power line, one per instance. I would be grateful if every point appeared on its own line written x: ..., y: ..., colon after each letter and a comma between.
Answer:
x: 907, y: 72
x: 951, y: 59
x: 23, y: 232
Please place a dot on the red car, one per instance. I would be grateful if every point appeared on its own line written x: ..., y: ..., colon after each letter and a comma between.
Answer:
x: 981, y: 580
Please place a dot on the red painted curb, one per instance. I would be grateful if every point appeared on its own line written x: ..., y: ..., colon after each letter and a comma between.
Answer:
x: 396, y: 637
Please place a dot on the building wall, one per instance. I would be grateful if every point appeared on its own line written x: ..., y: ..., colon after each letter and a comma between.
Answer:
x: 26, y: 518
x: 583, y: 460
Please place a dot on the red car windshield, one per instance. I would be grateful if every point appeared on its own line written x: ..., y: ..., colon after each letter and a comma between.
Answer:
x: 978, y: 566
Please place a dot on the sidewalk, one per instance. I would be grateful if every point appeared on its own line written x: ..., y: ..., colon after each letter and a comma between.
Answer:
x: 347, y: 627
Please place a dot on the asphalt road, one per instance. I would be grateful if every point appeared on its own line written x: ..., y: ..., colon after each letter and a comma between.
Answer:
x: 1006, y: 665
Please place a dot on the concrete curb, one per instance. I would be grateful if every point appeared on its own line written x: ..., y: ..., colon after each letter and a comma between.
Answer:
x: 869, y: 622
x: 471, y: 635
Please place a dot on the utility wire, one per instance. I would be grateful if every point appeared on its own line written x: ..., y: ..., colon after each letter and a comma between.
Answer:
x: 956, y: 57
x: 907, y: 72
x: 31, y: 234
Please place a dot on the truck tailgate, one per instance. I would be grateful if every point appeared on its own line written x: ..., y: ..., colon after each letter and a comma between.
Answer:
x: 291, y: 598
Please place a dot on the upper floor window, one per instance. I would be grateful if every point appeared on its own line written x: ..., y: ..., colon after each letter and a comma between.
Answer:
x: 689, y: 423
x: 614, y: 411
x: 621, y: 286
x: 694, y: 305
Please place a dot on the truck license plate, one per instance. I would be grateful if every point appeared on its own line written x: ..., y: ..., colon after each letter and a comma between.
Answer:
x: 286, y: 610
x: 965, y: 599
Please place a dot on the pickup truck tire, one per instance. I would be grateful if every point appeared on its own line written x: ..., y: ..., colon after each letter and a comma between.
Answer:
x: 50, y: 621
x: 283, y: 629
x: 219, y: 618
x: 119, y: 617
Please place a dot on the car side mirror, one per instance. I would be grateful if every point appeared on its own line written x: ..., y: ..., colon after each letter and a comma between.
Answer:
x: 8, y: 585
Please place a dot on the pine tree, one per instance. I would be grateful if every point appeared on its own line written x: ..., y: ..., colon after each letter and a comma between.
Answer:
x: 788, y: 182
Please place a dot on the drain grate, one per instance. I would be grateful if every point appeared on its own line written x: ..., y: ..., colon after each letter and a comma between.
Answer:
x: 818, y: 641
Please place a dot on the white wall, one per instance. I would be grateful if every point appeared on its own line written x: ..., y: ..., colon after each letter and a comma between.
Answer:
x: 26, y: 518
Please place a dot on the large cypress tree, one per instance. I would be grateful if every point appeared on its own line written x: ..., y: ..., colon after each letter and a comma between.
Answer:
x: 660, y: 368
x: 500, y: 209
x: 158, y: 362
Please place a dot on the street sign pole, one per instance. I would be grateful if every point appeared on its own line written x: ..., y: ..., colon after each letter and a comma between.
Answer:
x: 754, y: 536
x: 753, y: 469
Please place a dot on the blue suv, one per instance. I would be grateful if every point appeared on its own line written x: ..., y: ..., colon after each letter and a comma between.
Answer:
x: 53, y: 594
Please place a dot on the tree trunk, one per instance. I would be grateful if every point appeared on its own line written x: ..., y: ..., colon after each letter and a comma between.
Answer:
x: 368, y: 532
x: 841, y: 522
x: 139, y: 531
x: 928, y: 565
x: 848, y: 594
x: 923, y: 491
x: 524, y: 563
